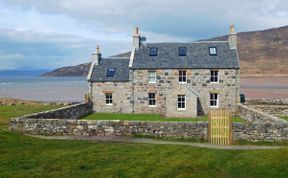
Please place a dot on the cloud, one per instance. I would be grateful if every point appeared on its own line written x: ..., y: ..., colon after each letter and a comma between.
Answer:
x: 57, y: 33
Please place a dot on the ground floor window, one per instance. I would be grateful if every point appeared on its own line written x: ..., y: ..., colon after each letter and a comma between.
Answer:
x: 151, y: 99
x: 181, y: 102
x: 214, y: 99
x: 109, y: 100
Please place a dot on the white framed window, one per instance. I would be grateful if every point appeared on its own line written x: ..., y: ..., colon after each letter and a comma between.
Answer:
x: 214, y: 76
x: 151, y: 100
x: 152, y: 76
x: 214, y: 100
x: 109, y: 100
x: 182, y: 76
x: 213, y: 51
x: 181, y: 102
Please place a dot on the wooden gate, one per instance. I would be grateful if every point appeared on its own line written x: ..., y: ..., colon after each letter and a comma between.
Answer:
x: 220, y: 127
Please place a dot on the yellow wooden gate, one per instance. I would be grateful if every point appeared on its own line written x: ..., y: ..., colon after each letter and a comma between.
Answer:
x: 220, y: 127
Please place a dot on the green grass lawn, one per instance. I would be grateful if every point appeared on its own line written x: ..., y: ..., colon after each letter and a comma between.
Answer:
x: 145, y: 117
x: 284, y: 117
x: 24, y: 156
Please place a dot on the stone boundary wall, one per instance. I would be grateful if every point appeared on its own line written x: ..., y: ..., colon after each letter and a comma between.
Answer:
x: 258, y: 126
x: 262, y: 126
x: 192, y: 130
x: 195, y: 130
x: 74, y: 111
x: 267, y: 101
x: 277, y: 110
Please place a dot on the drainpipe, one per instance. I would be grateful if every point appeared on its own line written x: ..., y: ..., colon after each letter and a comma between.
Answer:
x: 133, y: 102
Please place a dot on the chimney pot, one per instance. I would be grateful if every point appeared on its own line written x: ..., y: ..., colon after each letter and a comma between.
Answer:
x: 136, y: 38
x: 96, y: 56
x: 232, y: 37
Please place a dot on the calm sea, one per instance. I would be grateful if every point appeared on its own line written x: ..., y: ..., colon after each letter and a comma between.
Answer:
x: 73, y: 89
x: 44, y: 88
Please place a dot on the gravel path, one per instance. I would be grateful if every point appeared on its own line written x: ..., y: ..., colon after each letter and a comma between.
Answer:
x: 158, y: 142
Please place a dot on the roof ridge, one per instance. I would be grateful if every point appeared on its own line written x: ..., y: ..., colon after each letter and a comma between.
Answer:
x: 189, y: 42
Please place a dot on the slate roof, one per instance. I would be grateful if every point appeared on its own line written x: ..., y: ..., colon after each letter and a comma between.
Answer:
x: 121, y: 72
x: 198, y: 56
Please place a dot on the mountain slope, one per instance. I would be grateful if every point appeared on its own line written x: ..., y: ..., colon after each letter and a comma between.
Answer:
x: 261, y: 53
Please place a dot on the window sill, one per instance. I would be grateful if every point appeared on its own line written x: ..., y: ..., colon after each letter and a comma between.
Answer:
x: 214, y: 106
x: 109, y: 104
x: 214, y: 82
x: 182, y: 82
x: 152, y: 82
x: 152, y: 106
x: 181, y: 109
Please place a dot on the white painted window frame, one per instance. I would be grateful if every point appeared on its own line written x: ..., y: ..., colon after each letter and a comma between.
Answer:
x: 152, y: 76
x: 211, y: 76
x: 217, y: 100
x: 181, y: 109
x: 181, y: 75
x: 109, y: 99
x: 149, y: 99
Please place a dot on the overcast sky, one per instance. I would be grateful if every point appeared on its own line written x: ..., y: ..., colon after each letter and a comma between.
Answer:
x: 54, y: 33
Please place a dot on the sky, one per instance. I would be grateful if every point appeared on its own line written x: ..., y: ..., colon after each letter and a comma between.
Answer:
x: 37, y: 34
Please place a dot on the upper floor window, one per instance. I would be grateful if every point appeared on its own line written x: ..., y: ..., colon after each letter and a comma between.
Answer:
x: 182, y: 76
x: 109, y: 100
x: 110, y: 72
x: 214, y: 99
x: 181, y: 102
x: 153, y: 51
x: 151, y: 99
x: 214, y: 76
x: 182, y: 51
x: 152, y: 76
x: 213, y: 51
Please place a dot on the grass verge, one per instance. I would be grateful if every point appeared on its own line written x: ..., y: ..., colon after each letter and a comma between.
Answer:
x: 24, y: 156
x: 146, y: 117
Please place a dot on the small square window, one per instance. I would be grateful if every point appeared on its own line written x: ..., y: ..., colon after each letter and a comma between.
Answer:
x: 181, y: 102
x: 213, y: 51
x: 151, y: 99
x: 182, y: 76
x: 152, y: 76
x: 153, y: 51
x: 110, y: 72
x: 182, y: 51
x: 214, y: 76
x: 109, y: 100
x: 214, y: 100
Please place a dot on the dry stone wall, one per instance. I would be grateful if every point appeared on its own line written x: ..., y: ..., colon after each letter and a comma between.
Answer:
x: 75, y: 111
x: 262, y: 126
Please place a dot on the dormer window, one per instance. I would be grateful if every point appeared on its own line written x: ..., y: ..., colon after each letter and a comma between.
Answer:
x: 153, y: 51
x: 110, y: 72
x: 213, y: 51
x: 182, y: 51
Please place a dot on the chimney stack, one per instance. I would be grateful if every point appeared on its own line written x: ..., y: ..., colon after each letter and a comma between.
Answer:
x: 96, y: 56
x: 136, y: 38
x: 232, y: 38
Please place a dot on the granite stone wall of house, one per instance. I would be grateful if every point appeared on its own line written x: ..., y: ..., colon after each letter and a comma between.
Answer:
x: 121, y: 96
x: 198, y: 80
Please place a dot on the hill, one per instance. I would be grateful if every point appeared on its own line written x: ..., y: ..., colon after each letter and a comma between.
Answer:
x: 261, y: 53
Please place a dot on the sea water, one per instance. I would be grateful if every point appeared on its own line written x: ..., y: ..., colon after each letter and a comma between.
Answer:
x: 51, y: 89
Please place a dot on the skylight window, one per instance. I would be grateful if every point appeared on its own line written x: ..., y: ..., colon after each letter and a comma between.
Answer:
x: 110, y: 72
x: 153, y: 51
x: 213, y: 51
x: 182, y: 51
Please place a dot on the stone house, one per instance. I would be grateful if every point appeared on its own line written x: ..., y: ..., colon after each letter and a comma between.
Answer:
x: 172, y: 79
